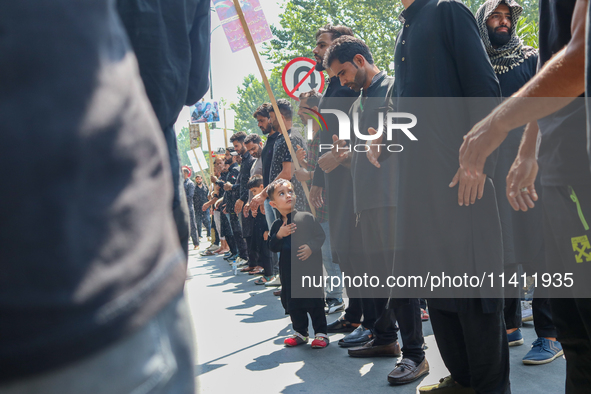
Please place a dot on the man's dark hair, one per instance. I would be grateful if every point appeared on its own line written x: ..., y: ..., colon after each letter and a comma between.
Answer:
x: 335, y: 31
x: 186, y: 171
x: 344, y: 50
x: 254, y: 138
x: 254, y: 181
x: 312, y: 98
x: 274, y: 185
x: 262, y: 110
x: 284, y: 108
x: 239, y: 136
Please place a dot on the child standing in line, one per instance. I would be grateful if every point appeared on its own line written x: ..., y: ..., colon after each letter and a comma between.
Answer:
x: 301, y: 232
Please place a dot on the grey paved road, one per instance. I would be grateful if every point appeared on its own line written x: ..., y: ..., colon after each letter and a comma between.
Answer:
x: 239, y: 331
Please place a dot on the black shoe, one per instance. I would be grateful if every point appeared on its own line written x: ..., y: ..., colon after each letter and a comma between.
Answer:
x: 342, y: 325
x: 231, y: 257
x: 360, y: 336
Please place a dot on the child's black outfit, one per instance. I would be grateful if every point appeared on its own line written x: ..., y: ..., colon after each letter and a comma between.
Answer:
x: 308, y: 232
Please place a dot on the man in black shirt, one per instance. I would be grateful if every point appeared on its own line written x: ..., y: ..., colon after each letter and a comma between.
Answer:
x: 336, y: 180
x: 435, y: 223
x: 264, y: 121
x: 374, y: 196
x: 240, y: 190
x: 564, y: 164
x: 189, y: 194
x: 234, y: 233
x: 515, y: 64
x: 201, y: 217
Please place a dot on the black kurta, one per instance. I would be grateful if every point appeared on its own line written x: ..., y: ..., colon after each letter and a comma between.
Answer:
x: 439, y: 54
x: 338, y: 182
x: 522, y: 231
x: 373, y: 187
x: 309, y: 232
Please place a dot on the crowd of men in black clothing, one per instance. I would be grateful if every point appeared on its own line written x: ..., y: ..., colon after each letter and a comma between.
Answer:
x: 377, y: 211
x: 111, y: 264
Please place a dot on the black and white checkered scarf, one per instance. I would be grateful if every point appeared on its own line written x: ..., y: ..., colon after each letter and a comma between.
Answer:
x: 513, y: 53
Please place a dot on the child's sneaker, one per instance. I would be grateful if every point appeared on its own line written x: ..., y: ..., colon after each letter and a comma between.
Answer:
x: 295, y: 340
x: 320, y: 341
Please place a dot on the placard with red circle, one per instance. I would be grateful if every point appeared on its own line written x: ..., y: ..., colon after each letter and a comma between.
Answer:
x: 300, y: 76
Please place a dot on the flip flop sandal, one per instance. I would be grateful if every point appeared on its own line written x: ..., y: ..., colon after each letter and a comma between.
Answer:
x: 257, y: 271
x: 262, y: 280
x: 208, y: 253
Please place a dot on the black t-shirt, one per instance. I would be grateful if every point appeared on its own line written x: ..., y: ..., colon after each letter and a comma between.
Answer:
x: 267, y: 156
x: 563, y: 156
x: 85, y: 171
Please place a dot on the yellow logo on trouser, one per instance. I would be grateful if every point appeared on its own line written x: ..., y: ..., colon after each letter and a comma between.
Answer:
x: 583, y: 247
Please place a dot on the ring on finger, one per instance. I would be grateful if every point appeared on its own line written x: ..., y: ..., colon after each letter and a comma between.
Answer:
x: 524, y: 190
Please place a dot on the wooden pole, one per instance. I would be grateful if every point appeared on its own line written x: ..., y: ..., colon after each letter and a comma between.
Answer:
x: 225, y: 130
x: 272, y: 97
x: 209, y: 147
x: 207, y: 181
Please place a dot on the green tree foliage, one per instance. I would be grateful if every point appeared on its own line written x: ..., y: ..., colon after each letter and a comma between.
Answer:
x: 251, y: 95
x: 184, y: 144
x: 374, y: 21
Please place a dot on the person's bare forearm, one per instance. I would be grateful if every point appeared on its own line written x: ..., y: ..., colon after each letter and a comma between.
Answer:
x: 529, y: 141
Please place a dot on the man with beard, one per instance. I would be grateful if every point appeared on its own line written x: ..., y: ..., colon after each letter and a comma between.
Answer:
x: 565, y: 175
x: 240, y: 190
x: 264, y: 122
x: 515, y: 64
x: 329, y: 175
x: 447, y: 60
x: 374, y: 195
x: 281, y: 167
x: 233, y: 230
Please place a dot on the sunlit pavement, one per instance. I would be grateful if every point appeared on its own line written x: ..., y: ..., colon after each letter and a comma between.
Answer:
x: 240, y: 328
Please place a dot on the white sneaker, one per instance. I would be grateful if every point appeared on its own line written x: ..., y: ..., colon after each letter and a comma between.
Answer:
x: 274, y: 283
x: 213, y: 247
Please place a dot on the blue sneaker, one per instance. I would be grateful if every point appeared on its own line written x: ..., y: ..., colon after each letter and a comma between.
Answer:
x: 515, y: 338
x: 543, y: 351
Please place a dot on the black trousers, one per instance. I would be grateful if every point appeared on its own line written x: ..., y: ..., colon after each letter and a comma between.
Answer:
x: 573, y: 321
x: 226, y: 230
x: 216, y: 236
x: 377, y: 234
x: 572, y: 316
x: 472, y: 361
x: 258, y: 253
x: 238, y: 238
x: 542, y: 313
x: 299, y: 320
x: 354, y: 310
x: 408, y: 317
x: 203, y: 219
